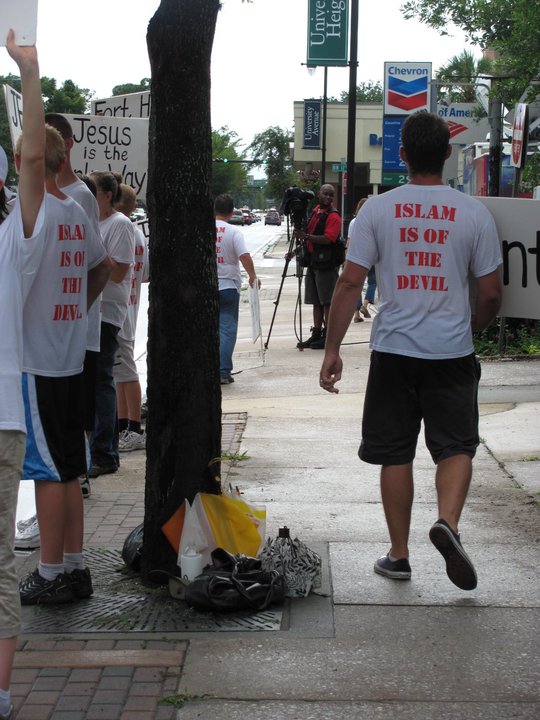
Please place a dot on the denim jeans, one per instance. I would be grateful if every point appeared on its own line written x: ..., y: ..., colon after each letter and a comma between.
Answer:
x: 229, y: 303
x: 371, y: 285
x: 104, y: 445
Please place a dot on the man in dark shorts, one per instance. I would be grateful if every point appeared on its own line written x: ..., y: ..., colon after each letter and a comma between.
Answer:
x: 426, y: 241
x: 323, y: 229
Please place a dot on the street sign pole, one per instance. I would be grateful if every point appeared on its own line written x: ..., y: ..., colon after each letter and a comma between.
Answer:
x: 351, y: 121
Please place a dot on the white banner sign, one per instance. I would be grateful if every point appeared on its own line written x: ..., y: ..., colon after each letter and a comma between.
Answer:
x: 21, y: 16
x: 136, y: 105
x: 518, y: 225
x: 255, y: 309
x: 101, y: 143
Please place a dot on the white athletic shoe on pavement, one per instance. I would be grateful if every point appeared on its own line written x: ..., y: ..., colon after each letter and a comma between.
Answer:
x: 27, y: 534
x: 132, y: 441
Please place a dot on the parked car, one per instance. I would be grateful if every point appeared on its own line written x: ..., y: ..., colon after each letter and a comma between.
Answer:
x: 248, y: 216
x: 272, y: 218
x: 237, y: 218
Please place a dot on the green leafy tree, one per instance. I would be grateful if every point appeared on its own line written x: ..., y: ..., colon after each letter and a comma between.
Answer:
x: 271, y: 149
x: 230, y: 177
x: 510, y: 27
x: 462, y: 68
x: 68, y: 98
x: 366, y: 92
x: 128, y: 88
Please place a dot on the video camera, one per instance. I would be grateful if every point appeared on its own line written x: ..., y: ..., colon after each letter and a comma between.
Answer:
x: 294, y: 203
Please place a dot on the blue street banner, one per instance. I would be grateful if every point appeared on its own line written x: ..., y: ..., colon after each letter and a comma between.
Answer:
x: 327, y: 33
x: 312, y: 124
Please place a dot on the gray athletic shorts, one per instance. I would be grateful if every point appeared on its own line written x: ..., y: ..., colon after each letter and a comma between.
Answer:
x: 319, y: 286
x: 124, y: 368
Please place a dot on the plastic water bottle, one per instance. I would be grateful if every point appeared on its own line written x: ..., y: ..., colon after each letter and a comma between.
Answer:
x: 191, y: 563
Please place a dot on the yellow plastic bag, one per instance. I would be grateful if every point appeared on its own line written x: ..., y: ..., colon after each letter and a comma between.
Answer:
x: 224, y: 521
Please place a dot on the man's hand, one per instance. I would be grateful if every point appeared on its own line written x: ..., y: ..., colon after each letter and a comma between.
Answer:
x: 24, y: 55
x: 331, y: 372
x: 252, y: 282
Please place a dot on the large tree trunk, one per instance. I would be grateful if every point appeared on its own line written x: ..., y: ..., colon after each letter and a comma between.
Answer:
x: 184, y: 395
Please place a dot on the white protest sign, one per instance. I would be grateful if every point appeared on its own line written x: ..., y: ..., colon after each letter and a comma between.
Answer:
x: 136, y: 105
x: 518, y: 225
x: 100, y: 143
x: 255, y: 309
x: 21, y: 17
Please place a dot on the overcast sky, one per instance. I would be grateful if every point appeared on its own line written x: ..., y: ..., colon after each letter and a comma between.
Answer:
x: 257, y: 56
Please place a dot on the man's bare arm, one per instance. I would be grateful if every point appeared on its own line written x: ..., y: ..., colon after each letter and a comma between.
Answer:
x: 488, y: 301
x: 97, y: 279
x: 348, y: 289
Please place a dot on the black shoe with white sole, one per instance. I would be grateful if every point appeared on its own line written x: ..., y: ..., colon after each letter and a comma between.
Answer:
x: 459, y: 567
x: 393, y: 569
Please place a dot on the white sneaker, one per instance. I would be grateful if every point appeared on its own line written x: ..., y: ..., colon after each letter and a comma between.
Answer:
x: 27, y: 534
x: 132, y: 441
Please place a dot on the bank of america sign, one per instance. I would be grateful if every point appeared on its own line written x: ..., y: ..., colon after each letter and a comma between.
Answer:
x: 327, y: 34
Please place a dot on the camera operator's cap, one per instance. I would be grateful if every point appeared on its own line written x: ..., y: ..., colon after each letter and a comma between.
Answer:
x: 3, y: 165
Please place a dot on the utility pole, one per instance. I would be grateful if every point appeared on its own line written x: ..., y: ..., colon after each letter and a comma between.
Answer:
x: 495, y: 146
x: 351, y: 124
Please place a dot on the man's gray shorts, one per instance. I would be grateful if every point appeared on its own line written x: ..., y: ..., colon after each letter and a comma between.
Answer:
x: 319, y: 286
x: 124, y: 368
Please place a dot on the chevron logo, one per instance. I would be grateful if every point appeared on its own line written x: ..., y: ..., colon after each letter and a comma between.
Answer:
x: 407, y: 95
x: 455, y: 128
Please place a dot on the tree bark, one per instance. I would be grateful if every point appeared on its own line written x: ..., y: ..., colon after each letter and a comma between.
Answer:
x: 184, y: 394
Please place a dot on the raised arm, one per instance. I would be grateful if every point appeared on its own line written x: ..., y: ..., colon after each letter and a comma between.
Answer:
x: 31, y: 161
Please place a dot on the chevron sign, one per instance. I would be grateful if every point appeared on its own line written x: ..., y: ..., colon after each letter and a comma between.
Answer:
x: 406, y: 87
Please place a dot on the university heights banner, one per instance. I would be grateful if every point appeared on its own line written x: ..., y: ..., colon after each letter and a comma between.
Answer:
x: 328, y: 25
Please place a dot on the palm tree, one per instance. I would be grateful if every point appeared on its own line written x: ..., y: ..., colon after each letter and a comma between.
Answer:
x: 463, y: 68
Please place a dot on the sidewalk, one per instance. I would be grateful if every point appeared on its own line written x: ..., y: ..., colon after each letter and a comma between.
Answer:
x: 366, y: 647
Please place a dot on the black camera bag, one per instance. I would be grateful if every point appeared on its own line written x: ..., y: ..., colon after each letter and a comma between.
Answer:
x: 327, y: 256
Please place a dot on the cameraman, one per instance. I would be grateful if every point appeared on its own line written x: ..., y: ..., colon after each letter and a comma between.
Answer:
x: 324, y: 228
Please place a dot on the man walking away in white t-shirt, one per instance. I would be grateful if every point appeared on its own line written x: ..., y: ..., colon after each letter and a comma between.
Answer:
x: 426, y: 241
x: 230, y: 250
x: 20, y: 254
x: 73, y: 272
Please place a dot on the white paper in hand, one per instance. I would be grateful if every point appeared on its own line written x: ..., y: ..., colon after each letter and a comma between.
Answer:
x: 21, y: 15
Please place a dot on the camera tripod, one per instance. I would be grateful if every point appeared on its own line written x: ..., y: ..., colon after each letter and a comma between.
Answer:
x: 296, y: 250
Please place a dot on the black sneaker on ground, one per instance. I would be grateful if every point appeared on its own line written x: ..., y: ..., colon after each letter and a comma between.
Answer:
x: 459, y: 567
x: 35, y: 590
x: 97, y: 470
x: 81, y: 583
x: 316, y: 334
x: 319, y: 343
x: 394, y: 569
